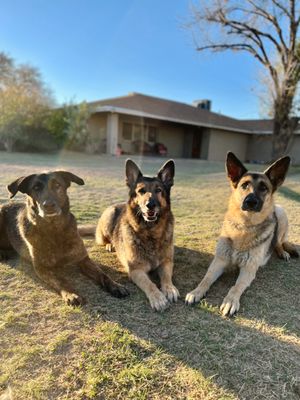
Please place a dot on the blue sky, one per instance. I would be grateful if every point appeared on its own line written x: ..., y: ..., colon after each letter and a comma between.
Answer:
x: 95, y: 49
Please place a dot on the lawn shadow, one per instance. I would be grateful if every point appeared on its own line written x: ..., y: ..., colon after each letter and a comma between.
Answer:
x: 289, y: 193
x: 241, y: 359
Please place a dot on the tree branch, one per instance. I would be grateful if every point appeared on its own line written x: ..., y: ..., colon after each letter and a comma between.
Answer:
x: 271, y: 18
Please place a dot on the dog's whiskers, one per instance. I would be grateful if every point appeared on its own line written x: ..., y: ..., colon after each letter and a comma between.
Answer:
x: 139, y: 212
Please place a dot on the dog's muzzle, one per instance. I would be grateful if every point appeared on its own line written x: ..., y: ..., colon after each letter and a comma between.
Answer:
x: 150, y: 215
x: 150, y: 212
x: 252, y: 203
x: 48, y: 210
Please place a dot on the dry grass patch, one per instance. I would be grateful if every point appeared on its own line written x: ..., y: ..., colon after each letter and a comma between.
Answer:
x: 120, y: 349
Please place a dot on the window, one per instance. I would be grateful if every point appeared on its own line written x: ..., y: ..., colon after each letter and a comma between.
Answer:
x: 152, y: 134
x: 127, y: 131
x: 133, y: 132
x: 137, y: 132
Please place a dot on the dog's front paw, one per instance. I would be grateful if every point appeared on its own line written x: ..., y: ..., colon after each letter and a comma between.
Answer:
x: 4, y: 255
x: 230, y: 305
x: 285, y: 256
x: 73, y: 299
x: 118, y: 290
x: 109, y: 247
x: 158, y: 301
x: 171, y: 292
x: 194, y: 296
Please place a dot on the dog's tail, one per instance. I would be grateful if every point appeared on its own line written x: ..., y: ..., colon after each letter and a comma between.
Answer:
x: 7, y: 395
x: 87, y: 230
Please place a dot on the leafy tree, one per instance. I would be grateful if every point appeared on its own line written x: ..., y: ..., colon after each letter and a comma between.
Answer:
x: 23, y: 99
x: 77, y: 133
x: 269, y: 31
x: 55, y: 122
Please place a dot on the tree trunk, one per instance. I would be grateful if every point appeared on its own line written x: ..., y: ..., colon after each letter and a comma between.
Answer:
x: 9, y: 144
x: 283, y: 128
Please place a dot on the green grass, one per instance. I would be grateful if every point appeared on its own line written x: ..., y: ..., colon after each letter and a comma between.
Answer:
x: 121, y: 349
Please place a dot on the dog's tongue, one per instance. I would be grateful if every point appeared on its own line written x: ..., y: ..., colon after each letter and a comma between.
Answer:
x: 151, y: 213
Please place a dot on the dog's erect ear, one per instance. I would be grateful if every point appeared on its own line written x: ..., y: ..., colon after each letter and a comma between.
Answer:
x: 68, y: 177
x: 20, y: 185
x: 133, y: 173
x: 277, y: 171
x: 235, y: 169
x: 166, y: 173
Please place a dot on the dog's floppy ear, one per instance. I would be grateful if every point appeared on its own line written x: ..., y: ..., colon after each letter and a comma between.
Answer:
x: 68, y: 177
x: 133, y: 173
x: 166, y: 173
x: 277, y: 171
x: 20, y: 185
x: 235, y: 169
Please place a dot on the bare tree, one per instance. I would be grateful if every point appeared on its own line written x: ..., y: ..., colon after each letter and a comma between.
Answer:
x: 269, y: 31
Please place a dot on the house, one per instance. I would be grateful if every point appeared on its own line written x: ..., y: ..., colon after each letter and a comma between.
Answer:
x: 139, y: 123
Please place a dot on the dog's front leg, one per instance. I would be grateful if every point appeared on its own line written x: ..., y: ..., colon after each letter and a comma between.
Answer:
x: 231, y: 303
x: 165, y: 272
x: 5, y: 247
x: 60, y: 285
x: 94, y: 272
x: 215, y: 270
x: 158, y: 300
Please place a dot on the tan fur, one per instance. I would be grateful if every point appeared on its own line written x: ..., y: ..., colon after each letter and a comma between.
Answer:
x: 141, y: 245
x: 87, y: 230
x: 247, y: 237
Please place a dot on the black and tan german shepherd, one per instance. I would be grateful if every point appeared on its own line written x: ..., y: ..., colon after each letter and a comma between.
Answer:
x: 141, y: 231
x: 253, y: 227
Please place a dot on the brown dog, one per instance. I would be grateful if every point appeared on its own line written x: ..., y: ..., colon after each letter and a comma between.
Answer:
x: 44, y: 232
x: 141, y: 232
x: 252, y: 228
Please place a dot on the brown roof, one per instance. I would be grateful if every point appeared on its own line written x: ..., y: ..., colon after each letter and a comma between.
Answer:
x: 258, y: 124
x: 180, y: 112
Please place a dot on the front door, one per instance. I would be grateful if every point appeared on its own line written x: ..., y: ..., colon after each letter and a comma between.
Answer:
x: 196, y: 144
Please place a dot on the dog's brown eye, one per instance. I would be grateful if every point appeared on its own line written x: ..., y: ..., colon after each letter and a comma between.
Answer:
x: 36, y: 187
x: 158, y: 190
x: 263, y: 187
x: 245, y: 185
x: 142, y: 191
x: 56, y: 185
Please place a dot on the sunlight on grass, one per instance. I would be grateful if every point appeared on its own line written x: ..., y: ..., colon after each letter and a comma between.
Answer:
x: 121, y: 349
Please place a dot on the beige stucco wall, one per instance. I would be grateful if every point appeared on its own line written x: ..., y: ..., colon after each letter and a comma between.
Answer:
x: 220, y: 142
x: 215, y: 143
x: 172, y: 137
x: 97, y: 126
x: 294, y: 149
x: 260, y: 148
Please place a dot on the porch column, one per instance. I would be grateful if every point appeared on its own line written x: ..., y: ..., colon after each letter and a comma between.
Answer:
x: 112, y: 133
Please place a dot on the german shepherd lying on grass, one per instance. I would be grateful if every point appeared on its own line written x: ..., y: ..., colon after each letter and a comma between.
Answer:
x: 141, y: 232
x: 253, y: 227
x: 42, y: 230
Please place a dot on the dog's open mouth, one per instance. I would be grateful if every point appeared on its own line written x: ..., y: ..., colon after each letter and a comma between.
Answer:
x: 53, y: 214
x: 150, y: 215
x: 49, y: 214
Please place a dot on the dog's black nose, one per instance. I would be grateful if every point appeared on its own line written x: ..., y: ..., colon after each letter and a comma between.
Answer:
x: 150, y: 204
x: 251, y: 202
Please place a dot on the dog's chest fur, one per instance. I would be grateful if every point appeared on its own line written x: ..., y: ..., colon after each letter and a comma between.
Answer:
x: 243, y: 243
x: 47, y: 243
x: 148, y: 244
